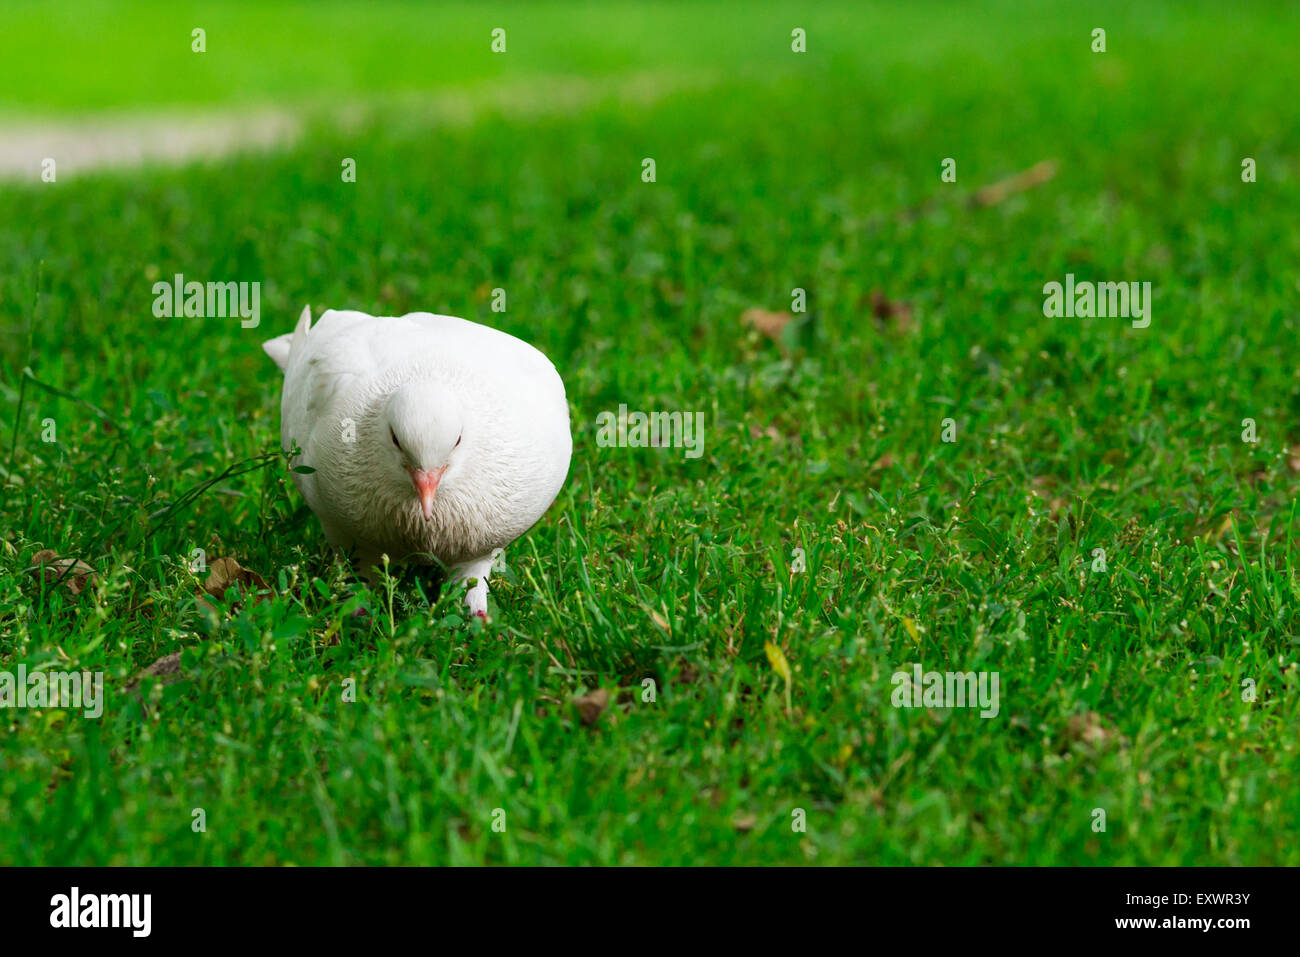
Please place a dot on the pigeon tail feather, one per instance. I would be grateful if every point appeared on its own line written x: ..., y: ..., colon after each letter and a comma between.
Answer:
x: 281, y: 347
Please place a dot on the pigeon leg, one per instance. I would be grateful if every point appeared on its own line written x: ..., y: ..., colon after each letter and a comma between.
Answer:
x: 476, y: 570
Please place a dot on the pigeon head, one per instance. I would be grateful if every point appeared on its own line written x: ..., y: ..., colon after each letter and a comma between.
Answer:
x: 424, y: 426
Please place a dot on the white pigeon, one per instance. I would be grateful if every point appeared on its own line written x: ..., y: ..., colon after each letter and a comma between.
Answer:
x: 431, y: 438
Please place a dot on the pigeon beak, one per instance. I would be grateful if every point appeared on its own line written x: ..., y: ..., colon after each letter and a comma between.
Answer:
x: 426, y: 483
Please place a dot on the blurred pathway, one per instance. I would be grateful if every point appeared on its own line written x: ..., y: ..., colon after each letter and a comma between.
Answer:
x: 173, y: 138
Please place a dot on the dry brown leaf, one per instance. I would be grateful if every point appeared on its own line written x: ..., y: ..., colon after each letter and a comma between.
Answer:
x: 745, y: 822
x: 1215, y: 533
x: 771, y: 324
x: 770, y: 432
x: 224, y: 572
x: 591, y: 706
x: 995, y: 193
x: 889, y: 312
x: 1089, y: 729
x: 168, y: 666
x: 73, y: 573
x: 1055, y: 504
x: 166, y: 669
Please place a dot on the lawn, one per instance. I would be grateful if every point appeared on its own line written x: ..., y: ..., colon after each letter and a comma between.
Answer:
x: 830, y: 533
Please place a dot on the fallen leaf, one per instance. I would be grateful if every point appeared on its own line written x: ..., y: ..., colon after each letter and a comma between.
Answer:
x: 659, y: 620
x: 224, y: 572
x: 911, y: 630
x: 776, y: 657
x: 591, y: 706
x: 770, y: 432
x: 168, y: 666
x: 73, y: 573
x: 1089, y: 729
x: 771, y: 324
x: 166, y: 669
x: 745, y: 822
x: 1216, y: 533
x: 995, y: 193
x: 890, y: 312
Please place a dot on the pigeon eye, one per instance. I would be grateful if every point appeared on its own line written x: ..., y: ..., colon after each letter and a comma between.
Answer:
x: 393, y: 435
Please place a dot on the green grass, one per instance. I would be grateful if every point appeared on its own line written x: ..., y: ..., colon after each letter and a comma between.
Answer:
x: 775, y: 171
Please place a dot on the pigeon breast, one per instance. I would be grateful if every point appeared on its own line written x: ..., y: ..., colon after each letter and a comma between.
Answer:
x: 516, y: 444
